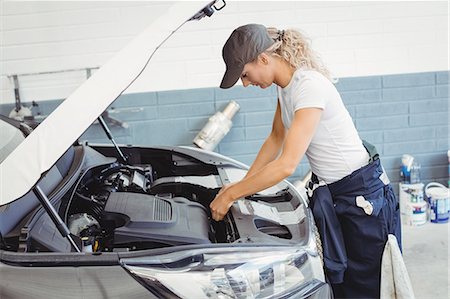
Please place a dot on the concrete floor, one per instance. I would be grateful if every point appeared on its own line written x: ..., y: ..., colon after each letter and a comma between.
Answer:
x: 426, y: 254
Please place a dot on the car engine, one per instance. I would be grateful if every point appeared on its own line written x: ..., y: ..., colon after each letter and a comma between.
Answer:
x: 116, y: 207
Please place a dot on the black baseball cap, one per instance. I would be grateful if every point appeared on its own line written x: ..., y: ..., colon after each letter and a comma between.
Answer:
x: 243, y: 46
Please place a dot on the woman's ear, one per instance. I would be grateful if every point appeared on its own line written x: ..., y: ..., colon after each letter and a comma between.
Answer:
x: 264, y: 58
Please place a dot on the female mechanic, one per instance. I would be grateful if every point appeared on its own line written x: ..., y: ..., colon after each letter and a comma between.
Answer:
x: 352, y: 201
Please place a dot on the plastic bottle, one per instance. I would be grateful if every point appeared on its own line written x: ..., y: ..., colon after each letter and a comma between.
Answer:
x: 415, y: 173
x: 405, y: 171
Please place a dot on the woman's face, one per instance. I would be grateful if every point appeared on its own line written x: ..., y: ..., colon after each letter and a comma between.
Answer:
x: 258, y: 72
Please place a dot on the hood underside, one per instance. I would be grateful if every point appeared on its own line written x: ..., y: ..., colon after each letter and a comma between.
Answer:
x: 21, y: 170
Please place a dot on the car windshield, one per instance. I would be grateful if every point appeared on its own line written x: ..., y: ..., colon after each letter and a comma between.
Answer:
x: 10, y: 138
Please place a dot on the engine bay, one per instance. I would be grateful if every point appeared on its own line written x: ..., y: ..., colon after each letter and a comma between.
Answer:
x: 115, y: 207
x: 121, y: 207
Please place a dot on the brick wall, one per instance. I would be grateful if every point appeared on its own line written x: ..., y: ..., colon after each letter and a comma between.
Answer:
x: 355, y: 38
x: 405, y: 113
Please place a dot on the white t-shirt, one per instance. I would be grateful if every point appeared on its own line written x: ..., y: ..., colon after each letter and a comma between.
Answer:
x: 336, y: 149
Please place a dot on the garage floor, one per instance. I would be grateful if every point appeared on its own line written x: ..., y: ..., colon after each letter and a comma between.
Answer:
x: 426, y: 253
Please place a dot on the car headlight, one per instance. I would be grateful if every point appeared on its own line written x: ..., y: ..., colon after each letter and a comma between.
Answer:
x: 254, y: 273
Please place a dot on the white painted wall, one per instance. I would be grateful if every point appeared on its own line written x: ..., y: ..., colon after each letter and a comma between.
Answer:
x: 354, y: 38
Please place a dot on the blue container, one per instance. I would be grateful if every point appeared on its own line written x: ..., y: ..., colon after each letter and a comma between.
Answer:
x: 405, y: 174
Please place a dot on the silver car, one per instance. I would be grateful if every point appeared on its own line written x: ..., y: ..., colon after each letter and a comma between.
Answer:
x: 106, y: 221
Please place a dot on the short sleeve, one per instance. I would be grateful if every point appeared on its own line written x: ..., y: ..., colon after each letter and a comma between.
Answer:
x: 310, y: 92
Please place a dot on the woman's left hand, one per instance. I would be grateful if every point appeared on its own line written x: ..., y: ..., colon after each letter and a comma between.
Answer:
x: 221, y: 204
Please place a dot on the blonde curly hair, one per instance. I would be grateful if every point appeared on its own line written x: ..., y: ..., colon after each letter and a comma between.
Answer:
x: 295, y: 48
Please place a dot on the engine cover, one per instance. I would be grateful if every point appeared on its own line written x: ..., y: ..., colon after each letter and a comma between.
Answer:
x: 149, y: 218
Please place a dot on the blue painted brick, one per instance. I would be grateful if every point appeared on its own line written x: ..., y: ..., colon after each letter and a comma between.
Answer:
x: 293, y: 178
x: 442, y: 91
x: 246, y: 159
x: 410, y: 93
x: 304, y: 161
x: 408, y: 134
x: 395, y: 187
x: 438, y: 158
x: 5, y: 109
x: 47, y: 107
x: 161, y: 132
x: 395, y: 180
x: 257, y: 104
x: 391, y: 162
x: 259, y: 118
x: 200, y: 95
x: 361, y: 96
x: 29, y: 104
x: 425, y: 159
x: 197, y: 123
x: 420, y: 79
x: 372, y: 136
x: 187, y: 140
x: 235, y: 134
x: 123, y: 140
x: 297, y: 173
x: 239, y: 148
x: 428, y: 119
x: 186, y: 110
x: 238, y: 119
x: 95, y: 131
x: 252, y: 104
x: 260, y: 132
x: 301, y: 171
x: 433, y: 105
x: 378, y: 112
x: 442, y: 77
x: 359, y: 83
x: 442, y: 132
x: 417, y: 146
x: 240, y: 92
x: 381, y: 123
x: 379, y: 147
x: 351, y: 110
x: 133, y: 113
x: 378, y: 109
x: 442, y: 144
x: 135, y: 100
x: 434, y: 172
x: 393, y: 174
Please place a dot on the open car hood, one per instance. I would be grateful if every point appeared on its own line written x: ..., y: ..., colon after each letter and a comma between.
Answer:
x: 22, y: 169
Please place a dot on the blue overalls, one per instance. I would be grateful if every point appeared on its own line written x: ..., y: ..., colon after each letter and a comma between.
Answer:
x: 354, y: 217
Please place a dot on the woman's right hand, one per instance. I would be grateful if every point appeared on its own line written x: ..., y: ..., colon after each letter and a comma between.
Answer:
x: 221, y: 203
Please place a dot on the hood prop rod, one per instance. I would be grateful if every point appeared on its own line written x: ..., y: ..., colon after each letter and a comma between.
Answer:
x: 102, y: 122
x: 60, y: 225
x: 110, y: 137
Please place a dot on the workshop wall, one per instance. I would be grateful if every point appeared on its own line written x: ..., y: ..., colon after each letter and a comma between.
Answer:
x: 392, y: 58
x: 355, y: 38
x: 405, y: 113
